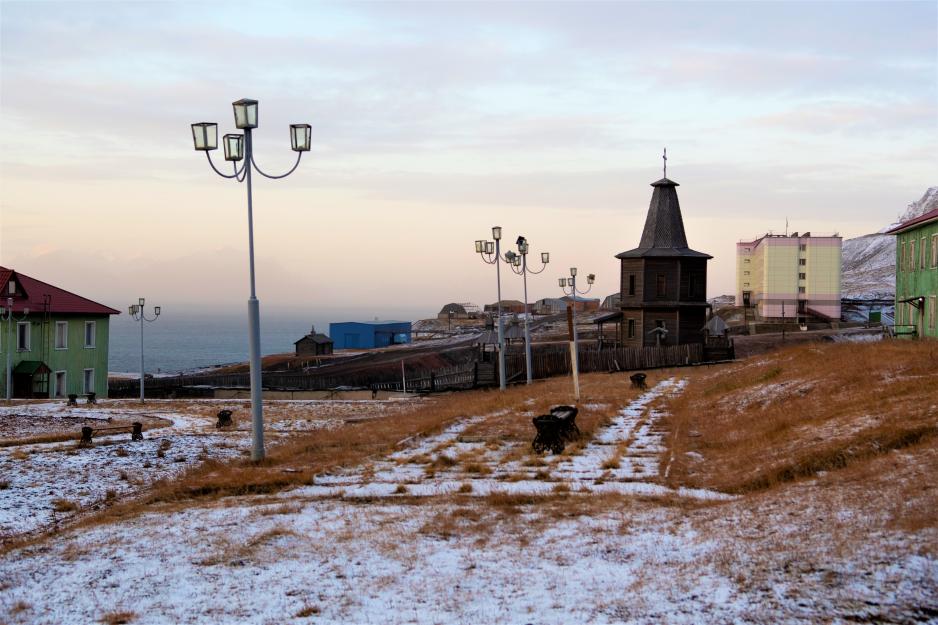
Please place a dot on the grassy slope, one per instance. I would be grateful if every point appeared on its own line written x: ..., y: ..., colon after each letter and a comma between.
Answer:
x: 801, y: 411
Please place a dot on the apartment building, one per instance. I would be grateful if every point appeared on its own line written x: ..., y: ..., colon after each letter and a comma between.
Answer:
x: 794, y: 277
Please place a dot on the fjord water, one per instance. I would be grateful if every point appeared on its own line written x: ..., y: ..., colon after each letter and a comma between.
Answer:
x: 182, y: 342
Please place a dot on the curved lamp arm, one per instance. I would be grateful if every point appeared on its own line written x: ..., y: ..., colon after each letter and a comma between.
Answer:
x: 586, y: 291
x: 208, y: 155
x: 299, y: 155
x: 541, y: 270
x: 488, y: 258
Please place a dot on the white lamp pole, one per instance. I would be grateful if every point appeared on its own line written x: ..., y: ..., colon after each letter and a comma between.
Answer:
x: 574, y: 346
x: 7, y: 315
x: 519, y: 265
x: 136, y: 312
x: 491, y: 254
x: 237, y: 148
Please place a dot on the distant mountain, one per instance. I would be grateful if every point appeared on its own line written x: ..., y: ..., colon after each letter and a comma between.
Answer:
x: 869, y: 261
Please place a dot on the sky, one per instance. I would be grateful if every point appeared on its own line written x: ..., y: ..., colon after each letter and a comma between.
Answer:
x: 433, y: 122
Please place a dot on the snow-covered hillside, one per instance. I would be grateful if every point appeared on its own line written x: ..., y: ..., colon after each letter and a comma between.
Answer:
x: 869, y: 261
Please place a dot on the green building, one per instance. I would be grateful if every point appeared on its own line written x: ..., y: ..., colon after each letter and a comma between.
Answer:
x: 55, y: 341
x: 917, y: 275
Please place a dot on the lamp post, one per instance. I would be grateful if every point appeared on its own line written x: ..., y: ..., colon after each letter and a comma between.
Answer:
x: 574, y: 345
x: 491, y: 254
x: 136, y: 312
x: 519, y: 265
x: 7, y: 315
x: 237, y: 148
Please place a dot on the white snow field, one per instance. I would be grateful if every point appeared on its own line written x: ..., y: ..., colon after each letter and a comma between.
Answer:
x: 395, y: 543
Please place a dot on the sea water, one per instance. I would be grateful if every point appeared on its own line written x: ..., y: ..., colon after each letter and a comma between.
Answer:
x: 184, y: 342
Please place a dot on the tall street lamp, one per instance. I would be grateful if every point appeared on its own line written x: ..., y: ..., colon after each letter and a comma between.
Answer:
x: 491, y: 254
x: 136, y: 312
x: 237, y: 148
x: 519, y: 265
x: 574, y: 346
x: 7, y: 315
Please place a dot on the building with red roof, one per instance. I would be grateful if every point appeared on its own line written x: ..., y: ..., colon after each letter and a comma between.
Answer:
x: 52, y: 342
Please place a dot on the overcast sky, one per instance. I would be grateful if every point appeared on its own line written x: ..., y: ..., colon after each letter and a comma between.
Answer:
x: 433, y: 122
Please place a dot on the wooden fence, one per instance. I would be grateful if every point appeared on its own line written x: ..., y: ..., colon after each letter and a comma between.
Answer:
x: 553, y: 360
x: 547, y: 360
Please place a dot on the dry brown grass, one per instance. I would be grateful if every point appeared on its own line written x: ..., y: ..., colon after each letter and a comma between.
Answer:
x: 296, y: 460
x: 800, y: 411
x: 308, y: 610
x: 120, y: 617
x: 64, y: 505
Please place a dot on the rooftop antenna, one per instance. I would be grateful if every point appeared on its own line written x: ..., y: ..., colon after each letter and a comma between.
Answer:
x: 665, y: 158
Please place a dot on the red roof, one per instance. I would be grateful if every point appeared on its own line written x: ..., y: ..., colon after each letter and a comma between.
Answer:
x: 32, y: 294
x: 932, y: 214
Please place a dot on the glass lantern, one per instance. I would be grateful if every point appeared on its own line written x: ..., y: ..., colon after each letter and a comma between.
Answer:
x: 205, y: 136
x: 245, y: 112
x: 234, y: 147
x: 299, y: 137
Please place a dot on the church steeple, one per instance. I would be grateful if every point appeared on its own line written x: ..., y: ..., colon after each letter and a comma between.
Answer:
x: 663, y: 234
x: 664, y: 226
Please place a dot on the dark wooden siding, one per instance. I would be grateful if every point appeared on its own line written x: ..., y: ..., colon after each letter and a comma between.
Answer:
x: 635, y: 315
x: 691, y: 322
x: 631, y: 266
x: 669, y: 316
x: 670, y: 269
x: 693, y: 274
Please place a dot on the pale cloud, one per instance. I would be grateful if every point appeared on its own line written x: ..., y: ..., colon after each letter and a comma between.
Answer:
x: 434, y: 121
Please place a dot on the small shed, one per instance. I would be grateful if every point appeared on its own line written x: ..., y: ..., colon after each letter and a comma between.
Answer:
x: 715, y: 327
x: 314, y: 344
x: 453, y: 311
x: 369, y: 334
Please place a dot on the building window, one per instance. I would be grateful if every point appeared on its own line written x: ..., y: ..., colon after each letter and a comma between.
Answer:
x: 934, y: 250
x: 802, y: 262
x: 801, y: 289
x: 922, y: 253
x: 932, y: 311
x: 22, y: 336
x: 745, y: 273
x: 911, y: 255
x: 88, y: 381
x: 631, y: 284
x: 802, y: 276
x: 61, y: 386
x: 746, y: 260
x: 631, y: 328
x: 803, y: 247
x: 61, y: 334
x: 902, y: 256
x: 662, y: 285
x: 90, y: 333
x: 745, y: 284
x: 11, y: 288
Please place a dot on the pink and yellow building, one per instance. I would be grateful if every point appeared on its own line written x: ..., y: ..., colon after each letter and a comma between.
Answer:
x: 790, y: 277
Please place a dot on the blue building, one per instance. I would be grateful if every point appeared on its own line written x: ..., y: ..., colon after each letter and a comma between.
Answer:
x: 365, y: 334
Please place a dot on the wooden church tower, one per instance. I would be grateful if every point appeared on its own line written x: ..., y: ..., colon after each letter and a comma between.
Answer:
x: 664, y: 282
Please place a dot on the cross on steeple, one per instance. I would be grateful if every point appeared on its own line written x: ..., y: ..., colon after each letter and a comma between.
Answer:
x: 665, y: 158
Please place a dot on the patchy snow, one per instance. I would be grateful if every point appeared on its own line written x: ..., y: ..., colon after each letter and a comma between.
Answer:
x: 447, y: 463
x: 45, y: 483
x: 350, y: 549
